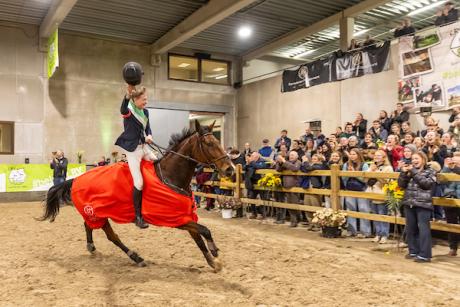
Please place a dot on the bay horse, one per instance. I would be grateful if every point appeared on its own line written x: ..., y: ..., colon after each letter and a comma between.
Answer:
x: 175, y: 170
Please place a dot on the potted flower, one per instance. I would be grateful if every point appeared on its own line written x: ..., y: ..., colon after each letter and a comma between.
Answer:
x: 227, y: 205
x: 269, y: 181
x: 394, y: 195
x: 330, y: 222
x: 80, y: 156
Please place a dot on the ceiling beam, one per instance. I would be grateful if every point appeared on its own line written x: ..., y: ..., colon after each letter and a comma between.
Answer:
x: 56, y: 14
x: 282, y: 60
x: 208, y: 15
x: 303, y: 32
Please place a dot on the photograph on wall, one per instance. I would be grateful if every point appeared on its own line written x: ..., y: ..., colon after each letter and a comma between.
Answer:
x: 455, y: 44
x: 406, y: 89
x: 426, y: 39
x: 417, y: 63
x: 453, y: 96
x: 429, y: 96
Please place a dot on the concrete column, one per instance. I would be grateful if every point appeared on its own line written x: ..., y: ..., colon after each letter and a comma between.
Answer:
x: 347, y: 26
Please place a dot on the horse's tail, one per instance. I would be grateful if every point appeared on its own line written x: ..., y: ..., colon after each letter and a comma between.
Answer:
x: 56, y: 194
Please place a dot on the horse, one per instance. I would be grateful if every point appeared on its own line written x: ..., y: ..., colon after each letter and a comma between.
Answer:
x: 176, y: 169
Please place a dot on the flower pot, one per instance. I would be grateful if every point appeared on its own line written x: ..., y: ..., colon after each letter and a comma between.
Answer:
x: 227, y: 213
x: 331, y: 232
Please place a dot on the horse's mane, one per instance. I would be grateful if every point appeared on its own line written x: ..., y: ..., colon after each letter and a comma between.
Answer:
x: 178, y: 138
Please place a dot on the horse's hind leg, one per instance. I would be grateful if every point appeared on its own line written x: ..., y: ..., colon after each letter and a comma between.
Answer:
x: 113, y: 237
x: 89, y: 239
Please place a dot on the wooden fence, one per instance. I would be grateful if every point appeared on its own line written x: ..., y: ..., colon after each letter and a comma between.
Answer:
x: 335, y: 194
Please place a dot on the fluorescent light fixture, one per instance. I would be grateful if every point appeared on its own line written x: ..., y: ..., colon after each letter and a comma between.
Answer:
x: 182, y: 65
x: 244, y: 32
x: 307, y: 52
x: 359, y: 33
x: 426, y: 8
x: 218, y: 69
x: 221, y: 77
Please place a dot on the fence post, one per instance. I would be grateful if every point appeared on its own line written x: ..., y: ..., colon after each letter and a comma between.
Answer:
x: 335, y: 187
x: 239, y: 171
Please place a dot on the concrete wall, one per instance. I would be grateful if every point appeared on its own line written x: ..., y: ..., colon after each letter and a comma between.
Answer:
x: 78, y: 108
x: 264, y: 110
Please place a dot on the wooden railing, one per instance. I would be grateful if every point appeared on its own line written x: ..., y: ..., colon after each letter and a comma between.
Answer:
x: 335, y: 194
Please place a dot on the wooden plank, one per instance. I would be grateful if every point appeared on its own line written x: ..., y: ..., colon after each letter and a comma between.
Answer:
x: 312, y: 173
x: 377, y: 175
x: 239, y: 179
x: 297, y: 190
x: 335, y: 187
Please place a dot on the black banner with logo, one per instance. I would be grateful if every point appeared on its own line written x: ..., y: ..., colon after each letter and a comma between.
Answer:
x: 369, y: 60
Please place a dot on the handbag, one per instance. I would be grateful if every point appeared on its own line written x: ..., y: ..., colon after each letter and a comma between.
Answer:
x: 354, y: 184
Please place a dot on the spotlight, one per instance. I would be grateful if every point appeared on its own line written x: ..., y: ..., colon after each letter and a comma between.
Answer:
x: 244, y: 32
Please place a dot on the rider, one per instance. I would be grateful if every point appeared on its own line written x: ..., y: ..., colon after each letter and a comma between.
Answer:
x: 136, y: 133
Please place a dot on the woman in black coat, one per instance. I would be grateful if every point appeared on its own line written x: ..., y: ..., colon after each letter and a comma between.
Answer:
x: 418, y: 180
x: 136, y: 133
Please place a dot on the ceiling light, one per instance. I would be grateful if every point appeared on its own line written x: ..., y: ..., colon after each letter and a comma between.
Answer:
x: 361, y: 32
x: 182, y: 65
x: 244, y: 32
x: 221, y: 77
x: 426, y: 8
x: 218, y: 69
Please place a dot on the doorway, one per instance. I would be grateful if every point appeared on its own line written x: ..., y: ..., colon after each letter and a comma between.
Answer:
x: 206, y: 119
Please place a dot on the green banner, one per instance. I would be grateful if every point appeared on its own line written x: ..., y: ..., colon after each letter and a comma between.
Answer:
x: 53, y: 53
x: 32, y: 177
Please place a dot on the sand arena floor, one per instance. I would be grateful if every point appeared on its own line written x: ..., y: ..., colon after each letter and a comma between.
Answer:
x: 46, y: 264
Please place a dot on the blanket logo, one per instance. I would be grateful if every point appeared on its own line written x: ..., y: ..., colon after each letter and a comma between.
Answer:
x: 89, y: 211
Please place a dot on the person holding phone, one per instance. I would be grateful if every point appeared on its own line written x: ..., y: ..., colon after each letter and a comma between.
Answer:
x: 58, y: 164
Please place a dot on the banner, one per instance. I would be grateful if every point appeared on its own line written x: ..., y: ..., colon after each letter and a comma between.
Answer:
x: 53, y: 54
x: 369, y: 60
x: 430, y: 68
x: 32, y: 177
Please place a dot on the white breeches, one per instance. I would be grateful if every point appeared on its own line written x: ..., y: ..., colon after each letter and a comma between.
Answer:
x: 134, y: 163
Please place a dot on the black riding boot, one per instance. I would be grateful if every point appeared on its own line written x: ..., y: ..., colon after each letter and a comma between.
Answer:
x: 137, y: 197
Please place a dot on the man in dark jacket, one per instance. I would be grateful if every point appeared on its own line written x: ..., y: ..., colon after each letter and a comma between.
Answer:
x: 283, y: 140
x: 399, y: 115
x: 266, y: 151
x: 290, y: 181
x: 406, y: 28
x: 59, y: 166
x: 254, y: 163
x: 448, y: 15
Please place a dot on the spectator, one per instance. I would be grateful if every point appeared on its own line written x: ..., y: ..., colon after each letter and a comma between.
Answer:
x: 418, y: 180
x: 369, y: 42
x: 406, y: 158
x: 356, y: 163
x: 201, y: 178
x: 338, y: 132
x: 380, y: 164
x: 378, y: 133
x: 290, y: 181
x: 368, y: 142
x: 405, y: 28
x: 255, y: 162
x: 308, y: 135
x: 123, y: 158
x: 399, y: 115
x: 433, y: 148
x: 405, y: 128
x: 315, y: 182
x: 283, y: 140
x: 448, y: 15
x: 247, y: 150
x: 237, y: 158
x: 396, y: 130
x: 348, y: 131
x: 385, y: 121
x: 353, y: 142
x: 354, y: 44
x: 309, y: 148
x: 408, y: 139
x: 454, y: 121
x: 326, y: 150
x: 431, y: 125
x: 360, y: 126
x: 419, y: 143
x: 336, y: 159
x: 283, y: 152
x: 450, y: 144
x: 452, y: 190
x: 393, y: 150
x: 59, y: 166
x: 266, y: 151
x: 297, y: 149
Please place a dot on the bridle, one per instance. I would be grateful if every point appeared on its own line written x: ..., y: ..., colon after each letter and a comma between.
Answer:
x: 164, y: 151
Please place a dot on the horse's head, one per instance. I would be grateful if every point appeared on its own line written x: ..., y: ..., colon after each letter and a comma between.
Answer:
x: 209, y: 151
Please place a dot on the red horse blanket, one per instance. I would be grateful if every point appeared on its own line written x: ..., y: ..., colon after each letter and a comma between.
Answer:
x: 106, y: 193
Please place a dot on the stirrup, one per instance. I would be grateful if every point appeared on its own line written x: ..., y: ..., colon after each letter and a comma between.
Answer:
x: 139, y: 222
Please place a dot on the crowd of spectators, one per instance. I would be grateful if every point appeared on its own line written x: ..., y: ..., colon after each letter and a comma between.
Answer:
x: 386, y: 144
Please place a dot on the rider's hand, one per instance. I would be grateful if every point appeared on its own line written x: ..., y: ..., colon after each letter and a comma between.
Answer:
x: 149, y: 139
x: 129, y: 90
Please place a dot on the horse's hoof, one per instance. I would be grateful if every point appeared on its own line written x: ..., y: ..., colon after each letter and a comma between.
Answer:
x: 91, y: 248
x: 217, y: 266
x: 142, y: 264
